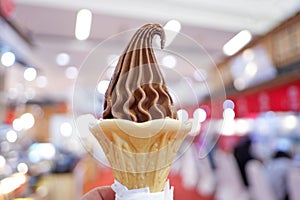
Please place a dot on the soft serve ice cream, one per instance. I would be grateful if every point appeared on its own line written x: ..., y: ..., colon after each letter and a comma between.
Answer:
x: 139, y: 131
x: 137, y: 90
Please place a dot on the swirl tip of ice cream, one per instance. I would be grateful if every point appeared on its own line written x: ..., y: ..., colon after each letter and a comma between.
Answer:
x: 137, y: 90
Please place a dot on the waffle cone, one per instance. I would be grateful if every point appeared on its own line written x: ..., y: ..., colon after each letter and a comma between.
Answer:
x: 141, y: 154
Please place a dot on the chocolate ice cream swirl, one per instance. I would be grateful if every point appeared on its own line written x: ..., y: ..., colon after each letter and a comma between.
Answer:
x: 137, y: 90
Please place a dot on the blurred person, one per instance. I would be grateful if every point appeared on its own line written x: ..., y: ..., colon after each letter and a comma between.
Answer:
x: 277, y: 170
x: 242, y: 154
x: 100, y: 193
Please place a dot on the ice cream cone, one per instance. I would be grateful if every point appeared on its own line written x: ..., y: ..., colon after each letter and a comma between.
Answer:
x: 141, y: 154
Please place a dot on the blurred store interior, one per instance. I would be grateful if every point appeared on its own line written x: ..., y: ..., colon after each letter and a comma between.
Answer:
x: 234, y: 66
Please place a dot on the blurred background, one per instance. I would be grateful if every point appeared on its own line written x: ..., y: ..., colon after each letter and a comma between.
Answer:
x: 238, y: 74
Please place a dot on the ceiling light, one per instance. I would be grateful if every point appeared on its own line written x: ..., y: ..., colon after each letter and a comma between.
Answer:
x: 182, y: 115
x: 83, y: 24
x: 228, y: 114
x: 228, y: 104
x: 200, y: 115
x: 173, y: 25
x: 290, y: 122
x: 41, y: 81
x: 66, y: 129
x: 169, y: 61
x: 239, y: 84
x: 11, y: 136
x: 22, y: 168
x: 8, y: 59
x: 17, y: 124
x: 251, y: 69
x: 62, y: 59
x: 172, y: 28
x: 27, y: 120
x: 102, y: 86
x: 248, y: 55
x: 237, y: 42
x: 30, y: 74
x: 71, y: 72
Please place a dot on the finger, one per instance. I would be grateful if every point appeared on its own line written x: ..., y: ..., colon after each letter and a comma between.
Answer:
x: 106, y: 193
x: 100, y: 193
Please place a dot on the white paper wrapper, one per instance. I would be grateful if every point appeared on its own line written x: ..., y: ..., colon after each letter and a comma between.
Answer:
x: 122, y: 193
